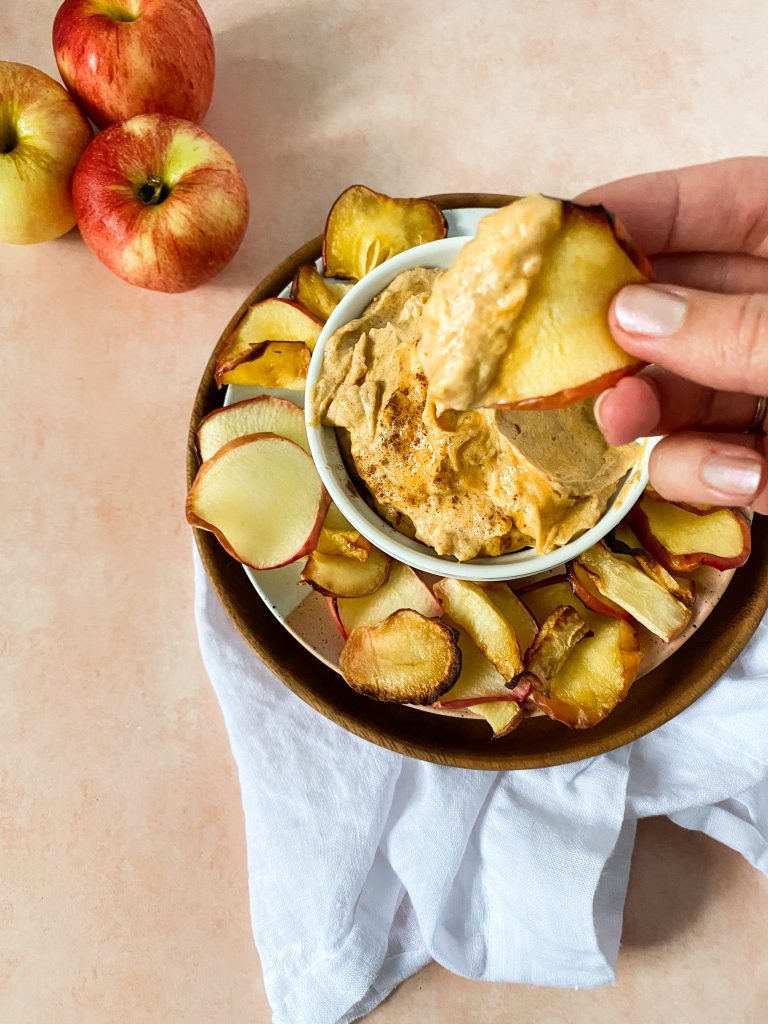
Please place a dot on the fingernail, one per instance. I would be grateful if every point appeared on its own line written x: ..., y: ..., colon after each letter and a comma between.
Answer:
x: 645, y: 309
x: 732, y: 476
x: 596, y: 407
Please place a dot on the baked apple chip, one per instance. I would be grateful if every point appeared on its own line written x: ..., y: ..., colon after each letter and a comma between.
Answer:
x: 341, y: 576
x: 407, y: 658
x: 623, y: 581
x: 472, y: 609
x: 316, y: 293
x: 277, y: 364
x: 600, y: 669
x: 262, y: 498
x: 348, y: 543
x: 584, y: 588
x: 364, y: 228
x: 270, y: 320
x: 683, y: 538
x: 521, y: 318
x: 403, y: 588
x: 266, y: 414
x: 484, y: 691
x: 514, y: 611
x: 562, y: 629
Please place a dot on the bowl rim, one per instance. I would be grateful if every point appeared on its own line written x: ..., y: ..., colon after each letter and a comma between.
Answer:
x: 661, y: 695
x: 323, y: 444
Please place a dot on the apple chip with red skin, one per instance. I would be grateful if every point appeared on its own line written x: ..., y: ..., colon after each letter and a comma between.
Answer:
x: 266, y: 414
x: 241, y: 495
x: 683, y: 537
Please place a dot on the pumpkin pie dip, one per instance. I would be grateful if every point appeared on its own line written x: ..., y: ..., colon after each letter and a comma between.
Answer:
x: 468, y: 484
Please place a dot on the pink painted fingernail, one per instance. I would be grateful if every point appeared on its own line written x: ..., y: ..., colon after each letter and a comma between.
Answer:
x: 732, y: 476
x: 646, y: 309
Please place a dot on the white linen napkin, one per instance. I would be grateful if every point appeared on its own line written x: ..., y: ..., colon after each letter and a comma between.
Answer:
x: 364, y: 865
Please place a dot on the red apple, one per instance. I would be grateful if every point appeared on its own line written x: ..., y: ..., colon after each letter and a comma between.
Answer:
x: 160, y: 202
x: 120, y: 58
x: 42, y: 135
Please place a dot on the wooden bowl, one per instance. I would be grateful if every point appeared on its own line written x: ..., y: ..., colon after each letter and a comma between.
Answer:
x: 540, y: 742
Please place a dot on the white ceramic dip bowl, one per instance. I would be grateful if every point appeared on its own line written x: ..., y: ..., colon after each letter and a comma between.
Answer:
x: 324, y: 445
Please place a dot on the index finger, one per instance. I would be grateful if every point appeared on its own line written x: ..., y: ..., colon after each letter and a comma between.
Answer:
x: 716, y: 207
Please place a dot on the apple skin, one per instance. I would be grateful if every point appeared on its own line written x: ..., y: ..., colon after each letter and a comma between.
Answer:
x: 688, y: 562
x: 160, y: 202
x: 120, y: 58
x: 42, y: 136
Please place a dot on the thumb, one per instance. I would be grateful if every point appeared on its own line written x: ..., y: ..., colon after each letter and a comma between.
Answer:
x: 717, y: 340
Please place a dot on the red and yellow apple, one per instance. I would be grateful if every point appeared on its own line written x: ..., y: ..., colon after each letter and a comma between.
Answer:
x: 120, y: 58
x: 160, y: 202
x: 42, y: 136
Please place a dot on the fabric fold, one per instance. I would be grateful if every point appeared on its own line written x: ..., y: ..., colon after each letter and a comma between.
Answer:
x: 365, y: 865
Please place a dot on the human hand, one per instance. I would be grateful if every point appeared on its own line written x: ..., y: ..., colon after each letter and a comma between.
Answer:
x: 705, y: 329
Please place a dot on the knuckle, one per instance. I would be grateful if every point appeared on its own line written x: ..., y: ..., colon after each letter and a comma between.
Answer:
x: 751, y: 336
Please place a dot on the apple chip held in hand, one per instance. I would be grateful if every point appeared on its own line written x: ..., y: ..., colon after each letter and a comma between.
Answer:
x: 42, y: 136
x: 364, y: 228
x: 160, y: 202
x: 521, y: 318
x: 262, y: 498
x: 120, y: 58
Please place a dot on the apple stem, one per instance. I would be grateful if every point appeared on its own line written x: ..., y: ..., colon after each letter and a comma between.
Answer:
x: 153, y: 191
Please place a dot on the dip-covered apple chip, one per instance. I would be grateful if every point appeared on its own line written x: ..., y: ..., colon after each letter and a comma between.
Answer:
x: 625, y: 583
x: 403, y: 588
x: 277, y: 364
x: 600, y: 669
x: 267, y: 321
x: 407, y: 658
x: 521, y: 318
x: 683, y: 538
x: 341, y: 576
x: 265, y: 414
x: 364, y: 228
x: 316, y: 293
x: 472, y: 609
x: 262, y: 498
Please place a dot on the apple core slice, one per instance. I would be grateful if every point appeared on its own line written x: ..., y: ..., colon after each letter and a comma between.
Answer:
x: 262, y: 498
x: 265, y: 414
x: 364, y: 228
x: 407, y: 658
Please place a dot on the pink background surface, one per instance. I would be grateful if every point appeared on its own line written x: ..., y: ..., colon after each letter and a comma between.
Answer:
x: 122, y: 868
